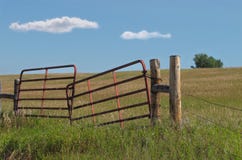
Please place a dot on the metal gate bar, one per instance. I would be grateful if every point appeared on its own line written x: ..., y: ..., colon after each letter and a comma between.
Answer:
x: 105, y: 87
x: 126, y: 119
x: 91, y: 99
x: 43, y: 92
x: 110, y: 98
x: 118, y: 100
x: 110, y: 111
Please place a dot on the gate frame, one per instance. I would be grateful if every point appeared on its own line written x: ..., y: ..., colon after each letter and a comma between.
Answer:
x: 146, y: 89
x: 17, y: 90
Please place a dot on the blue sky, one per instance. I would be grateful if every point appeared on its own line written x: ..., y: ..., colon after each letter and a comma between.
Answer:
x: 97, y: 35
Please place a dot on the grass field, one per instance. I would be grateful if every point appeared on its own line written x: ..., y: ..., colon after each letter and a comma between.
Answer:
x: 211, y: 129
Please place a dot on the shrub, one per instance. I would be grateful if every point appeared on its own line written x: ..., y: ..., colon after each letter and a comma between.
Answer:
x: 204, y: 61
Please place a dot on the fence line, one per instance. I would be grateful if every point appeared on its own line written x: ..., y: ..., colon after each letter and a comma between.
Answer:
x: 160, y: 88
x: 211, y: 121
x: 214, y: 103
x: 216, y: 124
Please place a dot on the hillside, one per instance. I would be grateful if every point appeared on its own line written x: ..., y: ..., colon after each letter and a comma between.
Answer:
x: 212, y: 126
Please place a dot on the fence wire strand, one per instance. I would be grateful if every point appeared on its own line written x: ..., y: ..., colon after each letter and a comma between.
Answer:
x: 212, y: 121
x: 216, y: 104
x: 216, y: 124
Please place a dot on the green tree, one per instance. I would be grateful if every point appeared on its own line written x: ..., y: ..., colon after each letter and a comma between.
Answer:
x: 202, y: 60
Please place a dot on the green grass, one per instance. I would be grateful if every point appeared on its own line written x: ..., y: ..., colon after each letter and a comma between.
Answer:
x: 36, y: 140
x: 209, y: 131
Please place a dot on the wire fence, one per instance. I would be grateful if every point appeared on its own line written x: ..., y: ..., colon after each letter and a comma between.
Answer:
x: 215, y: 103
x: 236, y: 109
x: 212, y: 121
x: 196, y: 115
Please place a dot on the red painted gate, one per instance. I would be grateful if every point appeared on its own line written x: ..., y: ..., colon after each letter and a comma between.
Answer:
x: 117, y: 98
x: 42, y: 91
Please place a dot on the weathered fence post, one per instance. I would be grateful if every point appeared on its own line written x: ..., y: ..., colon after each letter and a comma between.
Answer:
x: 175, y: 90
x: 155, y: 96
x: 15, y: 100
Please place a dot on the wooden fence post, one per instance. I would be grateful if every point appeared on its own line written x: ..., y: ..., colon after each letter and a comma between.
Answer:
x: 175, y: 90
x: 15, y: 98
x: 155, y: 96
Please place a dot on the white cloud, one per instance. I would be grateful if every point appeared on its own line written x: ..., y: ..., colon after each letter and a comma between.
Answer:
x: 142, y: 35
x: 55, y: 25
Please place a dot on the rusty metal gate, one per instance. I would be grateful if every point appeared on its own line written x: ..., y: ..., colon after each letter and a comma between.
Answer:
x: 113, y: 96
x: 42, y: 91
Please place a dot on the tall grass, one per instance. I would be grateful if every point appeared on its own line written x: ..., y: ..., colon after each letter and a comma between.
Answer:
x: 37, y: 140
x: 209, y: 131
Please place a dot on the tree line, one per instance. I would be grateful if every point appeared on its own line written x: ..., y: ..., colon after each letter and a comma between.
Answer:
x: 202, y: 60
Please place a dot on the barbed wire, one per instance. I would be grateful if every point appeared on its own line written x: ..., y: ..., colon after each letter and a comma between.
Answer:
x: 215, y: 103
x: 216, y: 124
x: 212, y: 121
